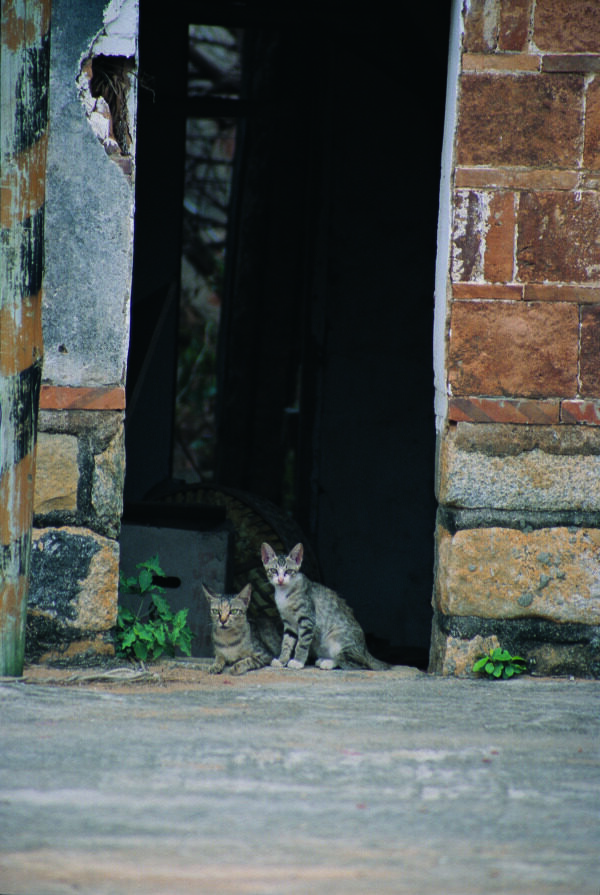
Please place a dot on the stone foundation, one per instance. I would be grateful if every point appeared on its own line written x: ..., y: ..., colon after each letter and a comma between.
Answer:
x: 72, y: 621
x: 78, y: 504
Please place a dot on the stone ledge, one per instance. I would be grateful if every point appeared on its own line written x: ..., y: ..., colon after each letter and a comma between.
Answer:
x: 552, y: 649
x: 454, y: 519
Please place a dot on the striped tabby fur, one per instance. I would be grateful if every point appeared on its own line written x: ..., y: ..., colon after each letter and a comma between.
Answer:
x: 317, y: 623
x: 240, y: 643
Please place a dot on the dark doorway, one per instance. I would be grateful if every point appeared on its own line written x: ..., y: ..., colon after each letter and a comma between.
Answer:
x: 325, y: 384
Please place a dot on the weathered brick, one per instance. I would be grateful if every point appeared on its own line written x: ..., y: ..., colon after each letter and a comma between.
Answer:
x: 499, y: 252
x: 554, y: 242
x: 591, y: 152
x: 516, y: 178
x: 504, y: 410
x: 560, y: 292
x: 484, y: 236
x: 551, y: 573
x: 512, y: 467
x: 567, y: 26
x: 589, y: 180
x: 532, y: 120
x: 53, y: 397
x: 488, y: 291
x: 514, y: 25
x: 57, y: 473
x: 481, y: 23
x: 500, y: 62
x: 471, y: 211
x: 571, y: 63
x: 518, y: 349
x: 578, y: 411
x: 589, y: 363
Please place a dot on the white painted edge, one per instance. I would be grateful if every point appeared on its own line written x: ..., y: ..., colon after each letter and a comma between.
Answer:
x: 444, y: 231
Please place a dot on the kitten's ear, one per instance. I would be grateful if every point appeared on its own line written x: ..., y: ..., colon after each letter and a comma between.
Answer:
x: 208, y: 593
x: 267, y: 553
x: 245, y: 594
x: 296, y: 554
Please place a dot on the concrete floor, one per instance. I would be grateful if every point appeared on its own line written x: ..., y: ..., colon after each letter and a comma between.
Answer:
x: 299, y: 782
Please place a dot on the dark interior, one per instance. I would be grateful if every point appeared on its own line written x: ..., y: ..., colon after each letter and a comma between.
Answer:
x: 326, y: 333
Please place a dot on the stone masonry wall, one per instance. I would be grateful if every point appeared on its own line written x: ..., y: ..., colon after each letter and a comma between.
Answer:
x: 518, y: 474
x: 80, y: 458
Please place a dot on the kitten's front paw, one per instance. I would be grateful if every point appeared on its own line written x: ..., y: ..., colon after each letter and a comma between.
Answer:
x: 215, y: 669
x: 276, y: 663
x: 325, y: 664
x: 294, y: 663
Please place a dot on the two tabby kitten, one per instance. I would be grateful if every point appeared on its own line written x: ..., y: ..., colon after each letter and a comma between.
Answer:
x: 317, y: 624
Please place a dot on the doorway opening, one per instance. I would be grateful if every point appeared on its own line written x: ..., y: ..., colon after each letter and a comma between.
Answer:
x: 213, y: 110
x: 317, y: 393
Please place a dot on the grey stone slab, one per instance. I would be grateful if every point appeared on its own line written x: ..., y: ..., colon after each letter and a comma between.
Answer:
x: 291, y: 782
x: 537, y: 468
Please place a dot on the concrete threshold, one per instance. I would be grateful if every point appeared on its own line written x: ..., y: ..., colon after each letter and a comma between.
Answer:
x: 282, y: 782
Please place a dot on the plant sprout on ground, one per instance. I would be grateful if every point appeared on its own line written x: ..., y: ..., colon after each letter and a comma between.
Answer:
x: 500, y: 664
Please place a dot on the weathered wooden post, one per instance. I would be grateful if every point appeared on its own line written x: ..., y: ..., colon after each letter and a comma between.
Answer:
x: 25, y: 58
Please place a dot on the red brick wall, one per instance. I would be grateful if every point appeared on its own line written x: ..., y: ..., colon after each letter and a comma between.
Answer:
x: 518, y: 467
x: 524, y: 323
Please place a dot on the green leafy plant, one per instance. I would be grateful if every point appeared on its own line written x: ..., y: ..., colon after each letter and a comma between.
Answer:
x: 500, y: 664
x: 154, y: 630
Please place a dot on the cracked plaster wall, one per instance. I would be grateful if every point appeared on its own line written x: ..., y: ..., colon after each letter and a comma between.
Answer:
x: 90, y: 204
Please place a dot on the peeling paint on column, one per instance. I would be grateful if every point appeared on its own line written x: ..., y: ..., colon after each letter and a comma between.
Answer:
x: 23, y: 140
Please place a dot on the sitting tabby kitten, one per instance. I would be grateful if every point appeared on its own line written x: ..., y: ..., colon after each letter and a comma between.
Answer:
x: 316, y: 621
x: 241, y: 644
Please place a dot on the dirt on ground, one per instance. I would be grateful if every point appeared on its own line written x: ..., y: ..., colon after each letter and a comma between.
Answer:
x: 161, y: 675
x: 171, y: 675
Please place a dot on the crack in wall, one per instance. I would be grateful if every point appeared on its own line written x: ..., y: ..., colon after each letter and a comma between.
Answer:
x: 106, y: 81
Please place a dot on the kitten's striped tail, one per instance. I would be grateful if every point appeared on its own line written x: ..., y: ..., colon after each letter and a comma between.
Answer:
x: 362, y: 659
x: 375, y: 664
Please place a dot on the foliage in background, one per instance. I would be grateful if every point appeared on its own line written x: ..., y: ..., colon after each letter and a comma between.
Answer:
x: 500, y: 664
x: 214, y: 74
x: 154, y: 630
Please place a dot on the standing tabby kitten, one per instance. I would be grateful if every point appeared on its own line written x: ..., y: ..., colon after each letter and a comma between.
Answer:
x: 317, y: 623
x: 240, y: 644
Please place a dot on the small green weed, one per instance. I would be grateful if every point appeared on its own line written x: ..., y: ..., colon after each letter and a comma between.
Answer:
x: 500, y: 664
x: 155, y: 630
